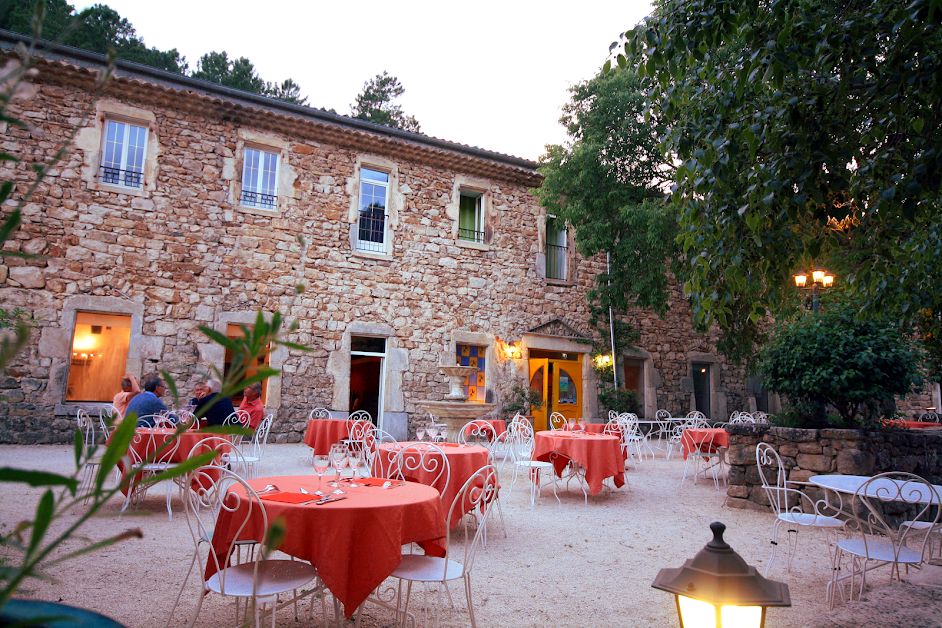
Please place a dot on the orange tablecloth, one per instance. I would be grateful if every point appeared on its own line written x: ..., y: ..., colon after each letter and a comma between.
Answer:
x: 322, y: 433
x: 499, y: 426
x: 463, y: 461
x: 356, y: 543
x: 142, y: 440
x: 918, y: 425
x: 697, y: 436
x: 600, y: 455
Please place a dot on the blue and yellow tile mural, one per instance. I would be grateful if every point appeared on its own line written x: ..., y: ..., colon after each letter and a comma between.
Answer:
x: 470, y: 355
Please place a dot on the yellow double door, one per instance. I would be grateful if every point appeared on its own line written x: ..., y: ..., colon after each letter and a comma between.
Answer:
x: 559, y: 383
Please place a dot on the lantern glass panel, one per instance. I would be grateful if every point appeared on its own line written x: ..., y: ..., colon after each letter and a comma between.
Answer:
x: 801, y: 280
x: 741, y: 616
x: 696, y: 613
x: 817, y: 276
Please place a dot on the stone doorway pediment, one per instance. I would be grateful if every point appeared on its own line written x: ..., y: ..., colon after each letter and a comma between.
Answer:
x: 559, y: 328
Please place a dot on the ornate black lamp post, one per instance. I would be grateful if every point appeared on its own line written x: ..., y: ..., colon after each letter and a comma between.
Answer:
x: 717, y: 589
x: 820, y: 280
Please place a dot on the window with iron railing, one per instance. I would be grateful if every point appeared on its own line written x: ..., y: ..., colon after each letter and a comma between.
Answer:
x: 471, y: 217
x: 259, y: 179
x: 371, y: 222
x: 122, y: 154
x: 556, y: 249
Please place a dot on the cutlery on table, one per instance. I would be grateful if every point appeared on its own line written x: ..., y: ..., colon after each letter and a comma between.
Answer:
x: 327, y: 500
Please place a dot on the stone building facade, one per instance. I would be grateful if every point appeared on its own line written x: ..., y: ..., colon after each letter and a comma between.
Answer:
x: 192, y: 233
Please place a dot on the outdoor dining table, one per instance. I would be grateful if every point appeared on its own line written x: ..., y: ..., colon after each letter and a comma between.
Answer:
x: 600, y: 455
x: 921, y: 425
x: 322, y: 433
x: 463, y: 461
x: 695, y: 436
x: 850, y: 484
x: 355, y: 543
x: 147, y: 440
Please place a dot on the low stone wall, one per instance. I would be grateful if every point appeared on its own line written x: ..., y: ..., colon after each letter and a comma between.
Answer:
x: 814, y: 452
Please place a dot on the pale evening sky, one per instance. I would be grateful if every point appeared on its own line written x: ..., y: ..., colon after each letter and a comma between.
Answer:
x: 491, y: 74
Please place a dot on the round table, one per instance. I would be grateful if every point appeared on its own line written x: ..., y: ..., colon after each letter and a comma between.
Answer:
x: 850, y: 484
x: 600, y: 455
x: 355, y: 543
x: 146, y: 440
x: 322, y: 433
x: 463, y: 462
x: 695, y: 436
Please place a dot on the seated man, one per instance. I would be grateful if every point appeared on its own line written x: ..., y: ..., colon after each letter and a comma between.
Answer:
x: 210, y: 405
x: 129, y: 390
x: 148, y: 402
x: 252, y: 403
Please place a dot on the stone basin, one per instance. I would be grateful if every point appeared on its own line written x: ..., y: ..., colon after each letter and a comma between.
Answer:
x: 455, y: 414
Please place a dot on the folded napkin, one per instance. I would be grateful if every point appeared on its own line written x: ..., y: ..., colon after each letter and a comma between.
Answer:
x: 373, y: 481
x: 559, y: 434
x: 288, y: 498
x: 448, y: 444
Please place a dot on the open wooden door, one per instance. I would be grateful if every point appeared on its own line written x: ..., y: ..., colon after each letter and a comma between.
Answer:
x: 540, y: 381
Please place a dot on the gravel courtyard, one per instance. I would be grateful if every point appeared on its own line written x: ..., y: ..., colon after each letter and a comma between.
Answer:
x: 569, y: 565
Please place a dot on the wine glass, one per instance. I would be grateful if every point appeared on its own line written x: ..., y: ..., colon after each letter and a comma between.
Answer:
x: 321, y: 464
x: 443, y: 432
x: 432, y: 431
x: 420, y: 432
x: 353, y: 461
x: 338, y: 458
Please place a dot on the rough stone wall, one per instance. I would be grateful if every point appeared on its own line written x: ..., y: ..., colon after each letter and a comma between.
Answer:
x: 186, y: 253
x: 806, y: 453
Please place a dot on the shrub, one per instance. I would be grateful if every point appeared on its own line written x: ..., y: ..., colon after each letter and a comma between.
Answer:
x: 619, y: 400
x: 834, y: 360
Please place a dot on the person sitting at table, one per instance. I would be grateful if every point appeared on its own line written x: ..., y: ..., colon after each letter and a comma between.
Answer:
x: 148, y: 403
x: 210, y: 405
x: 252, y: 403
x: 129, y: 390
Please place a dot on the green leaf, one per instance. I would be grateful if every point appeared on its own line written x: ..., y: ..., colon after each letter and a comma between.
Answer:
x: 181, y: 468
x: 44, y: 512
x: 37, y: 478
x: 117, y: 447
x: 917, y: 125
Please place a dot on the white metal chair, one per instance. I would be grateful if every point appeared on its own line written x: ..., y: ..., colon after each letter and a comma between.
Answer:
x: 676, y: 437
x: 107, y: 416
x: 227, y: 456
x: 477, y: 432
x: 155, y: 447
x: 557, y: 421
x: 696, y: 414
x: 793, y: 507
x: 704, y: 454
x: 633, y: 435
x: 378, y: 449
x: 251, y: 459
x: 617, y: 428
x: 259, y: 580
x: 319, y: 413
x: 92, y: 462
x: 425, y: 458
x: 521, y: 450
x: 479, y: 491
x: 760, y: 417
x: 883, y: 539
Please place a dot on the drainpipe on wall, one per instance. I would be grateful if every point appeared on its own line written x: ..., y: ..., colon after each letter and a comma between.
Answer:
x: 611, y: 321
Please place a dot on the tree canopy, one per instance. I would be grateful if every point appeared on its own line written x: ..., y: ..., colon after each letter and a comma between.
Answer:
x: 606, y: 183
x: 97, y: 29
x: 806, y: 132
x: 832, y: 357
x: 101, y: 29
x: 375, y: 104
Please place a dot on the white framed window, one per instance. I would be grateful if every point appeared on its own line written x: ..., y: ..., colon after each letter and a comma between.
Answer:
x: 372, y: 215
x: 556, y: 247
x: 471, y: 216
x: 259, y: 179
x: 124, y: 147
